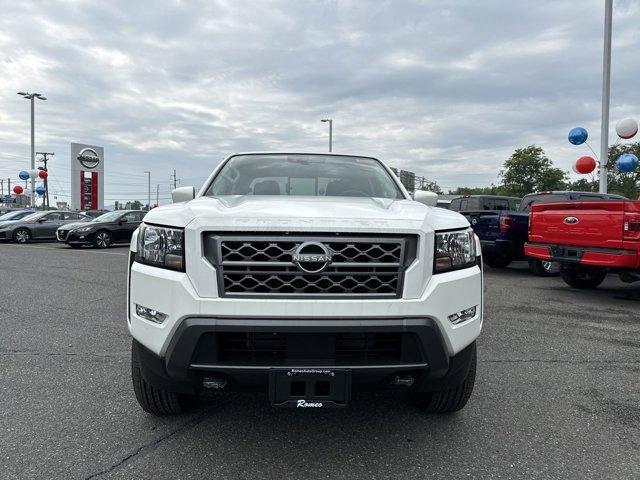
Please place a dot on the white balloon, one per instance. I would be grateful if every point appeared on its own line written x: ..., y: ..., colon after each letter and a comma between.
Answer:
x: 573, y: 167
x: 626, y: 128
x: 33, y: 174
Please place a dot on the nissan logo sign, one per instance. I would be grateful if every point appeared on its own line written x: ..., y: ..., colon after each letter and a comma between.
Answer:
x: 88, y: 158
x: 571, y: 220
x: 311, y: 257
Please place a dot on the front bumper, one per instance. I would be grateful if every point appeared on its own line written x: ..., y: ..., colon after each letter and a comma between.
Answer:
x: 76, y: 238
x: 196, y: 350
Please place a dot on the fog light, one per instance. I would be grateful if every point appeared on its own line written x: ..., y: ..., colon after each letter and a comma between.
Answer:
x: 462, y: 316
x: 150, y: 314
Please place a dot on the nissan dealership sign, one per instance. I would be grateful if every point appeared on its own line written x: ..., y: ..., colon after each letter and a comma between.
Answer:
x: 87, y: 177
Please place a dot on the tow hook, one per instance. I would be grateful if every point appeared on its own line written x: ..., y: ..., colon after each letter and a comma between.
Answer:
x: 214, y: 383
x: 403, y: 381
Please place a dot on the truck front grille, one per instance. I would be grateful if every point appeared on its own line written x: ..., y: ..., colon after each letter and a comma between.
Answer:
x: 310, y: 265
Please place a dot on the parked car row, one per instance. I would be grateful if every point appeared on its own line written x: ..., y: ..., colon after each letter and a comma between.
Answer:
x: 580, y: 235
x: 73, y: 228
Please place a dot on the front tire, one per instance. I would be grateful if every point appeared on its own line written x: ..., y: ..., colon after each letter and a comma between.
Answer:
x: 543, y: 268
x: 102, y: 239
x: 497, y: 260
x: 580, y: 276
x: 156, y: 401
x: 453, y: 399
x: 22, y: 235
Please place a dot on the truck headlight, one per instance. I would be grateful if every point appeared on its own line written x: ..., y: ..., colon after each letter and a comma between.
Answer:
x: 454, y: 250
x: 161, y: 247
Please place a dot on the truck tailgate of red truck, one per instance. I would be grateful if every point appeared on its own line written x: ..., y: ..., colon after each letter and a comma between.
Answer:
x: 584, y: 224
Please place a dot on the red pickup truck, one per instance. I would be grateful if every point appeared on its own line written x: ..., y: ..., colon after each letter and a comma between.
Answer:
x: 588, y: 239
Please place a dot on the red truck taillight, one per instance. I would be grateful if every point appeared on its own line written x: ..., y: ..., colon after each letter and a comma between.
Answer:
x: 505, y: 223
x: 631, y: 226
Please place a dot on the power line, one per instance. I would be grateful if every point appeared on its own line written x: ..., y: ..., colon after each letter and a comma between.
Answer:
x: 45, y: 157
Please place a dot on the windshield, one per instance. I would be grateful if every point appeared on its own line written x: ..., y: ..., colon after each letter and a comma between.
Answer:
x: 307, y: 175
x: 108, y: 217
x: 12, y: 215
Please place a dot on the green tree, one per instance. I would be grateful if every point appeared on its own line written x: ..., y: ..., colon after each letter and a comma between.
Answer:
x: 584, y: 185
x: 492, y: 190
x: 429, y: 186
x: 530, y: 170
x: 627, y: 184
x: 134, y: 205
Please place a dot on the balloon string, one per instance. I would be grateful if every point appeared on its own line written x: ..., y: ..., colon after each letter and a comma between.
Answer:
x: 594, y: 153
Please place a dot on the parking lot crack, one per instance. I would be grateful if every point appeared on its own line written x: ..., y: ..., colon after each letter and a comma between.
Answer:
x: 147, y: 446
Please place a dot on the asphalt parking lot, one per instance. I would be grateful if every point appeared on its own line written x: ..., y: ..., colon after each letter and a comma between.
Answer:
x: 557, y: 394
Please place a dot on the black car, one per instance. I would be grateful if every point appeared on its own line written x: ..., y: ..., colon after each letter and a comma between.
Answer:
x: 103, y: 231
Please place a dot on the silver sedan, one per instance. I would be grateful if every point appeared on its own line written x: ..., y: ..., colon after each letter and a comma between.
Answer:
x: 38, y: 226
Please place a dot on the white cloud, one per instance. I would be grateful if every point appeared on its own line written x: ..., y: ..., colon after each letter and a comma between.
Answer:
x: 446, y: 89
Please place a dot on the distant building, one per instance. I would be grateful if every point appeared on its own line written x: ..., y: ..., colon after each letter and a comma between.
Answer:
x: 407, y: 178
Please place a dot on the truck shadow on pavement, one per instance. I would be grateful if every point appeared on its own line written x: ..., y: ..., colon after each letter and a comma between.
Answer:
x: 285, y: 440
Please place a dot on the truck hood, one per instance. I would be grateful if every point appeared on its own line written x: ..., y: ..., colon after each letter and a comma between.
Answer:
x: 249, y: 212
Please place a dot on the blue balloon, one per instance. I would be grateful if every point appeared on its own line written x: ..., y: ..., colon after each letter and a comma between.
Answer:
x: 627, y: 162
x: 24, y: 175
x: 40, y: 190
x: 578, y: 136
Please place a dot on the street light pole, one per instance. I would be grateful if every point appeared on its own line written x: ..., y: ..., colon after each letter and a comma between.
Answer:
x: 330, y: 120
x: 32, y: 97
x: 148, y: 189
x: 33, y: 151
x: 606, y: 92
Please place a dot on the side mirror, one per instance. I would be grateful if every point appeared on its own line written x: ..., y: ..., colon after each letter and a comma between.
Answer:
x: 121, y: 221
x: 428, y: 198
x: 42, y: 220
x: 183, y: 194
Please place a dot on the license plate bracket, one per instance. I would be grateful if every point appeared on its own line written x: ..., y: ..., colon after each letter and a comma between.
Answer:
x: 566, y: 254
x: 309, y: 387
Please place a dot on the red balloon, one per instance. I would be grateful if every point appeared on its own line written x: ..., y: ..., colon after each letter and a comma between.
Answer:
x: 18, y: 189
x: 43, y: 174
x: 585, y: 164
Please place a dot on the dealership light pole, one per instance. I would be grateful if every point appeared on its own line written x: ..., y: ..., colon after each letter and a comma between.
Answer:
x: 32, y: 97
x: 330, y: 120
x: 148, y: 189
x: 606, y: 92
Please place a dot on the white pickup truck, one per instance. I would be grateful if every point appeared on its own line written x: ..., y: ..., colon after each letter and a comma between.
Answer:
x: 305, y: 275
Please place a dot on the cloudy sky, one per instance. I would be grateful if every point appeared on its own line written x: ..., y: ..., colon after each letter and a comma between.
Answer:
x: 446, y: 89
